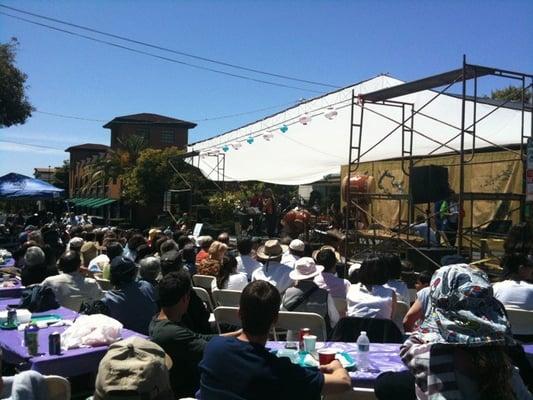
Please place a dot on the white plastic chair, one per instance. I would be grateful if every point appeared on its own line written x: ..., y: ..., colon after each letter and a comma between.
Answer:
x: 412, y: 295
x: 227, y: 315
x: 58, y: 387
x: 357, y: 393
x: 399, y: 314
x: 73, y: 302
x: 521, y: 320
x: 104, y: 284
x: 204, y: 296
x: 294, y: 321
x: 203, y: 281
x: 229, y: 298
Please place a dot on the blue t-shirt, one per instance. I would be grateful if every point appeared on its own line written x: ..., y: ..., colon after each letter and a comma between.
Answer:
x: 134, y: 305
x: 233, y: 369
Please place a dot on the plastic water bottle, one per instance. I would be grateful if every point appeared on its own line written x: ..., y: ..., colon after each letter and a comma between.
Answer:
x: 363, y: 347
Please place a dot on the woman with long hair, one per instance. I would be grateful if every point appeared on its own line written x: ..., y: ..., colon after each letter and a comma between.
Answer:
x: 228, y: 277
x: 212, y: 263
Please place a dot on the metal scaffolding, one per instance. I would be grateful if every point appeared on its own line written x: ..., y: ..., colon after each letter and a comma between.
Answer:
x: 468, y: 72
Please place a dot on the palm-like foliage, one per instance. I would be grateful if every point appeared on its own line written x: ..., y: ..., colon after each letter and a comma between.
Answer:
x: 113, y: 164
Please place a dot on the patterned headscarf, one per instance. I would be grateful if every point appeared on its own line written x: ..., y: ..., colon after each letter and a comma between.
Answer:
x: 463, y: 309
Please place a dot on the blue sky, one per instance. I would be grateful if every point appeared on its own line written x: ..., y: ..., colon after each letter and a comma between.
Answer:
x: 335, y: 42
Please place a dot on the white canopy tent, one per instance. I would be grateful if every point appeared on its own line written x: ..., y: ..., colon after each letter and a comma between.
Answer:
x: 305, y: 153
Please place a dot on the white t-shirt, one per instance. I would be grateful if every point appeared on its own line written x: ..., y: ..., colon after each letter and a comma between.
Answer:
x: 237, y: 281
x: 401, y: 289
x: 275, y: 273
x: 337, y: 287
x: 515, y: 293
x: 369, y: 304
x: 247, y: 265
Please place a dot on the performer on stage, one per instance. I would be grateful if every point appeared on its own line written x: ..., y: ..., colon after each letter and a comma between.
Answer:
x: 449, y: 212
x: 269, y: 211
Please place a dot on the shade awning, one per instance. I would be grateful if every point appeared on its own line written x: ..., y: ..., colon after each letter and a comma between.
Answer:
x: 16, y: 186
x: 286, y: 148
x: 101, y: 202
x: 83, y: 201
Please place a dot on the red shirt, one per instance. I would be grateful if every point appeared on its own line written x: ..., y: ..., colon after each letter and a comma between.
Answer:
x: 202, y: 254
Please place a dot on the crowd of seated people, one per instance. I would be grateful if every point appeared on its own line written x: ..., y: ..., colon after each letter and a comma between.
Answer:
x: 150, y: 291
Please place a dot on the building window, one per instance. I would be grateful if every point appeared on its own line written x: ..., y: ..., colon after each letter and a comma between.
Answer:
x: 167, y: 137
x: 144, y: 133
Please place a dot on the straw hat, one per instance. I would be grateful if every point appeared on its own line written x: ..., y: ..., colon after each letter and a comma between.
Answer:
x: 271, y: 249
x: 305, y: 268
x: 327, y: 247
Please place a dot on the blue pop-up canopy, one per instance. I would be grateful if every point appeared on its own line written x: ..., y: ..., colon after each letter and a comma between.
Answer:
x: 16, y: 186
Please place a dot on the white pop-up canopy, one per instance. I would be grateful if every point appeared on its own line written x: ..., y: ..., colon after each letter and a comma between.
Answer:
x: 306, y: 152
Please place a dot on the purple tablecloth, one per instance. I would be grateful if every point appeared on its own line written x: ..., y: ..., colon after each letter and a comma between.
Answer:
x: 70, y: 363
x: 383, y: 357
x: 12, y: 291
x: 10, y: 262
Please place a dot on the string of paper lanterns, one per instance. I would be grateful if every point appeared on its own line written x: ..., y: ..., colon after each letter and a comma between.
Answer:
x: 305, y: 120
x: 330, y: 112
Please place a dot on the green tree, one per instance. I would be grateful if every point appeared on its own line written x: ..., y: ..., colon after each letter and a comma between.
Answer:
x: 152, y: 175
x: 14, y: 105
x: 61, y: 176
x: 513, y: 93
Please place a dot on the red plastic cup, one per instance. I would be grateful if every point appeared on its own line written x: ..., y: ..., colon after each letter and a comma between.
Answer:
x: 325, y: 356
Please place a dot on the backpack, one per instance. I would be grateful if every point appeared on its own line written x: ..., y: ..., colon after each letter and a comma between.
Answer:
x: 38, y: 298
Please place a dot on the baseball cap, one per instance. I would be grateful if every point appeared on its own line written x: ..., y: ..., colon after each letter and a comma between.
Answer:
x: 121, y: 266
x: 134, y: 366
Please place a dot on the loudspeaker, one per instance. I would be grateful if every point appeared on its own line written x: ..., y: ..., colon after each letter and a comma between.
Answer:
x: 428, y: 184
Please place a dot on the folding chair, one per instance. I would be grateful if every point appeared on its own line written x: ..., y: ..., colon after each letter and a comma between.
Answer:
x: 203, y: 281
x: 521, y: 320
x: 227, y: 315
x: 58, y: 387
x: 229, y: 298
x: 294, y: 321
x: 412, y: 295
x: 399, y: 314
x: 378, y: 330
x: 204, y: 296
x: 73, y: 302
x: 104, y: 284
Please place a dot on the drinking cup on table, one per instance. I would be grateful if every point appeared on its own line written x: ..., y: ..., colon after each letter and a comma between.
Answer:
x: 325, y: 356
x: 310, y: 343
